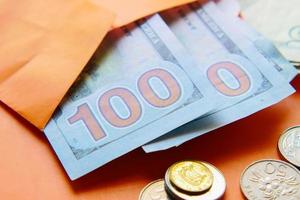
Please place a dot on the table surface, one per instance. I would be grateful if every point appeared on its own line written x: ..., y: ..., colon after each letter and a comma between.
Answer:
x: 30, y: 170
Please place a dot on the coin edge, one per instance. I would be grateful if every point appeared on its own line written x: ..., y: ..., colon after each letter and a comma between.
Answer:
x: 192, y: 192
x: 285, y: 132
x: 148, y: 185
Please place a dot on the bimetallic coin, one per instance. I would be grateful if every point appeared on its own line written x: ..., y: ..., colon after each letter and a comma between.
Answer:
x: 154, y: 191
x: 191, y: 176
x: 215, y: 192
x: 271, y: 180
x: 289, y: 145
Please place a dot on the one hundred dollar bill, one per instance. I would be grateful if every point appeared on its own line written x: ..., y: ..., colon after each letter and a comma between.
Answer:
x: 262, y: 44
x: 207, y: 32
x: 232, y: 9
x: 277, y: 20
x: 141, y: 84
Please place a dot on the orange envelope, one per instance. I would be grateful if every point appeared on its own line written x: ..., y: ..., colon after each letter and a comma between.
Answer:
x: 44, y: 45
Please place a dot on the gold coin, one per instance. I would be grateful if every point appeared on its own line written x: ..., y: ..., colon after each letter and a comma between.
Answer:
x: 154, y: 191
x: 215, y: 192
x: 191, y: 176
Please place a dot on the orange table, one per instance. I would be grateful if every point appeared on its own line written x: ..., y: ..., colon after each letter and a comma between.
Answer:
x: 29, y: 169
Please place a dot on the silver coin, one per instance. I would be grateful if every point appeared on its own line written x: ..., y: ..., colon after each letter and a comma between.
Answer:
x: 289, y: 145
x: 271, y: 180
x: 216, y: 191
x: 154, y: 191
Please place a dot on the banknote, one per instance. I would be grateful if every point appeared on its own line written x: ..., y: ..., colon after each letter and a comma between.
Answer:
x: 139, y: 85
x: 263, y: 44
x: 288, y: 69
x: 207, y: 32
x: 277, y: 20
x: 231, y: 7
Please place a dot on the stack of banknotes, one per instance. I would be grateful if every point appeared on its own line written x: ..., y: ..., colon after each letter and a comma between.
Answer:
x: 165, y: 80
x: 283, y: 27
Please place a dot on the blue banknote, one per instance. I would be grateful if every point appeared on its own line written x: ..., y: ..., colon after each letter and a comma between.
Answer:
x: 264, y: 46
x: 206, y: 32
x: 139, y: 85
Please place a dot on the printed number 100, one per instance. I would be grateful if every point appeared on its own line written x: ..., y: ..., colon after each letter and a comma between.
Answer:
x: 146, y: 90
x: 133, y: 105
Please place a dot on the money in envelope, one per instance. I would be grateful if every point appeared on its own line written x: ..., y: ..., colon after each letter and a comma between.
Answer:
x: 192, y: 63
x: 228, y: 34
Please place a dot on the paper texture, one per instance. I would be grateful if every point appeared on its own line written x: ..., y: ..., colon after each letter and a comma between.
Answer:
x: 130, y: 10
x: 277, y: 20
x: 43, y: 47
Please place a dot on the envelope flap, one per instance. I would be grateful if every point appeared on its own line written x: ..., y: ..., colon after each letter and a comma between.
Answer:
x: 130, y: 10
x: 43, y: 47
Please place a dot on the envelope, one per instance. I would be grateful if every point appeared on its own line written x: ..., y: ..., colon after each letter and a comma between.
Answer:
x: 44, y: 45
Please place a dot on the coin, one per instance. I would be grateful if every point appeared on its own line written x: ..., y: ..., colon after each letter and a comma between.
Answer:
x: 154, y: 191
x: 289, y: 145
x: 215, y: 192
x: 191, y: 176
x: 270, y: 180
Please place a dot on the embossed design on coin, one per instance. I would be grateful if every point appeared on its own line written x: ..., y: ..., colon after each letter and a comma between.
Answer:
x: 154, y: 191
x: 215, y: 192
x: 191, y: 176
x: 289, y: 145
x: 271, y: 180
